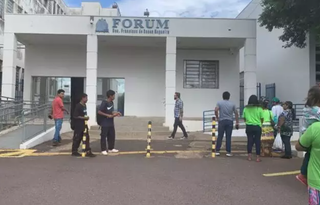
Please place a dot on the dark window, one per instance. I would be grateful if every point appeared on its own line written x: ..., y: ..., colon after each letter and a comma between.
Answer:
x: 201, y: 74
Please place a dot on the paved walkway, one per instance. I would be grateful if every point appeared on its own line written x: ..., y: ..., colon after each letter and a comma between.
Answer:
x: 162, y: 180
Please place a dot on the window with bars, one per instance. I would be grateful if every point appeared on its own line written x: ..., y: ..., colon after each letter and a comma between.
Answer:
x: 10, y: 5
x: 201, y: 74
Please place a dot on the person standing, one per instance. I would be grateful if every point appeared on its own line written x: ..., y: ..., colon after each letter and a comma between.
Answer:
x: 277, y: 110
x: 108, y: 114
x: 57, y: 113
x: 253, y: 117
x: 285, y: 128
x: 224, y: 115
x: 178, y: 115
x: 310, y: 140
x: 79, y: 119
x: 267, y: 138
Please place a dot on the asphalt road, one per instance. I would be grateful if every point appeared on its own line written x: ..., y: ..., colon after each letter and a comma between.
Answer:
x: 135, y: 180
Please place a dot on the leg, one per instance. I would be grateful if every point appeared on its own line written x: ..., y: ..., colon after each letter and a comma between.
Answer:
x: 77, y: 137
x: 314, y: 196
x: 185, y: 134
x: 111, y: 138
x: 175, y: 127
x: 103, y: 135
x: 228, y: 128
x: 287, y: 146
x: 88, y: 149
x: 257, y: 141
x: 58, y: 125
x: 250, y: 142
x: 220, y: 135
x: 304, y: 167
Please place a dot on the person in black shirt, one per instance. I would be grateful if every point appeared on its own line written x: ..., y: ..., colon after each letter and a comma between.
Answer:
x: 107, y: 123
x: 79, y: 124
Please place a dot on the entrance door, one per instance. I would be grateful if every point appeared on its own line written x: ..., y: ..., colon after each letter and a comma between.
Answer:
x: 77, y: 86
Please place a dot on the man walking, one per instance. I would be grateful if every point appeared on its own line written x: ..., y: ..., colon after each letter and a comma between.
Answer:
x: 224, y: 116
x: 57, y: 113
x: 178, y: 114
x: 79, y: 119
x: 107, y: 123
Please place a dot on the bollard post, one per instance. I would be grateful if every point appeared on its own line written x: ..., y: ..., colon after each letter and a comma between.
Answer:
x: 84, y: 138
x: 213, y: 133
x: 149, y: 140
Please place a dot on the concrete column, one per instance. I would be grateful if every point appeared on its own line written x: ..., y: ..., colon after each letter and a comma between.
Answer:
x: 170, y: 84
x: 91, y: 77
x: 9, y: 66
x: 250, y: 67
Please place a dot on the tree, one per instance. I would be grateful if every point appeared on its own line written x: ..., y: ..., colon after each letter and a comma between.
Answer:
x: 297, y: 18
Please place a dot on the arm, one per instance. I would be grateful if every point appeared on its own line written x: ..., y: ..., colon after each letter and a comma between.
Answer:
x: 306, y: 139
x: 107, y: 115
x: 236, y: 114
x: 60, y: 103
x: 280, y: 121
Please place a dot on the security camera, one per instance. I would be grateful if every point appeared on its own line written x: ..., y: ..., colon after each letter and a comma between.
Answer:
x: 231, y: 51
x: 91, y: 20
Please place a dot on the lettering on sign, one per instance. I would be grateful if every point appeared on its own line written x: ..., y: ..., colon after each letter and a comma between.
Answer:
x: 133, y: 26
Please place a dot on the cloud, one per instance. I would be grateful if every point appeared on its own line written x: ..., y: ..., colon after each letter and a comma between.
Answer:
x: 183, y: 8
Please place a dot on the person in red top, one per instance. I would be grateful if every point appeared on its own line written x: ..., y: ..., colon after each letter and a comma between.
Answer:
x: 57, y: 114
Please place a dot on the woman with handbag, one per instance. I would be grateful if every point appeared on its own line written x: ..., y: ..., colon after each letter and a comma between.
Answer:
x: 267, y: 138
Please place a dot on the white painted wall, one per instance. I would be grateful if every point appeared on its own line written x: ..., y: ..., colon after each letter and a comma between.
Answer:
x: 144, y: 73
x: 291, y: 69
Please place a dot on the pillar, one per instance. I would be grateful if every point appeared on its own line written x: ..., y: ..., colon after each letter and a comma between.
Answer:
x: 170, y: 84
x: 91, y: 77
x: 8, y: 66
x: 250, y: 67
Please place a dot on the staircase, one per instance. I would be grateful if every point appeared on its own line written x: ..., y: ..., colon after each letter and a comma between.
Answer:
x: 137, y: 127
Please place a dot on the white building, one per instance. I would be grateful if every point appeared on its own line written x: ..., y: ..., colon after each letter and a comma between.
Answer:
x: 54, y: 7
x: 152, y: 58
x: 293, y: 70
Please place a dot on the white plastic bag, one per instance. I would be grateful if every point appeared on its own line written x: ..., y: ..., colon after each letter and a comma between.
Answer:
x: 277, y: 145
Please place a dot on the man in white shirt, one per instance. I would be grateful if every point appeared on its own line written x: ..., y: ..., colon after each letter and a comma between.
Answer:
x: 276, y: 112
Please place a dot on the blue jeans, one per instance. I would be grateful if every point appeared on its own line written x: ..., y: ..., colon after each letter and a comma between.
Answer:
x: 58, y: 126
x: 224, y: 126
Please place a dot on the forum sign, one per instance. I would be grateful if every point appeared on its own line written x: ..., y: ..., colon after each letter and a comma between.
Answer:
x: 133, y: 26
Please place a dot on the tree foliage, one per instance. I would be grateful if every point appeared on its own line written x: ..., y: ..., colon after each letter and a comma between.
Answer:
x: 296, y: 17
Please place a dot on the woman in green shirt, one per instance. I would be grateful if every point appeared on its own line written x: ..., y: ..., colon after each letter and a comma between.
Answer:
x: 311, y: 140
x: 253, y: 117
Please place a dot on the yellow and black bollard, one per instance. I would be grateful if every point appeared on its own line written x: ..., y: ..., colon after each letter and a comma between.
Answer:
x: 149, y: 140
x: 213, y: 151
x: 84, y: 139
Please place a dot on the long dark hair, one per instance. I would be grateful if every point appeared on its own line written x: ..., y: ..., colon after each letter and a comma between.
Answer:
x: 253, y: 101
x: 313, y: 98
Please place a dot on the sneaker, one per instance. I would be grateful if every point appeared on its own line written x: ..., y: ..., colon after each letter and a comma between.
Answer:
x: 302, y: 179
x: 90, y: 154
x: 170, y: 138
x: 55, y: 143
x: 113, y: 151
x: 229, y: 155
x: 184, y: 138
x: 104, y: 153
x: 217, y: 153
x: 76, y: 154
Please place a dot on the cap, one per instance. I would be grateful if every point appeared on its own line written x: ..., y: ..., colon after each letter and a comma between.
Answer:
x: 275, y: 99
